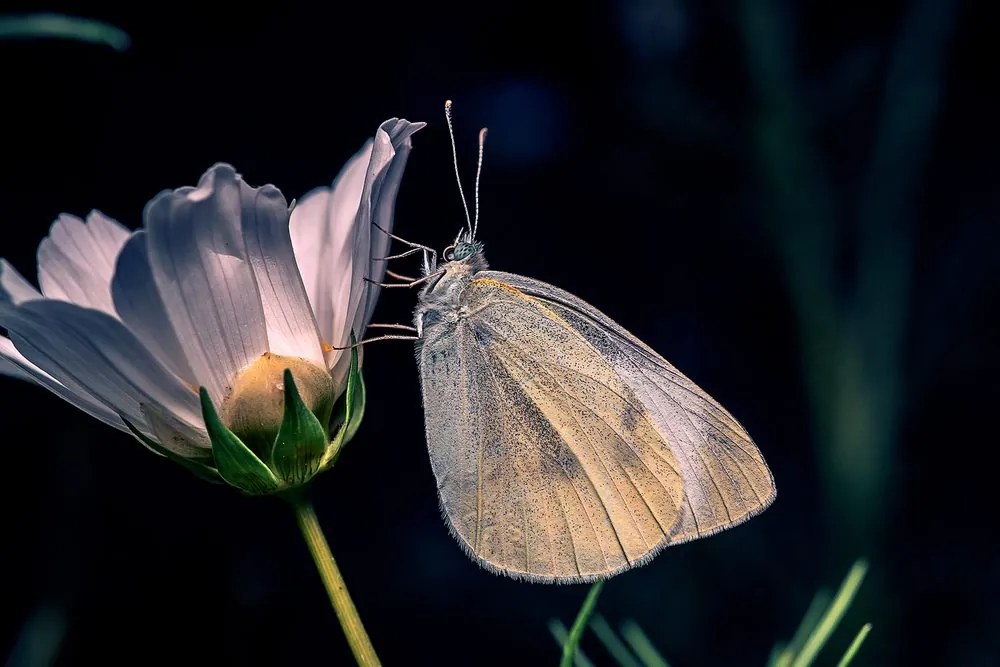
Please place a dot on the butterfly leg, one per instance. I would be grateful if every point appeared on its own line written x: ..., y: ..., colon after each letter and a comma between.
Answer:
x: 415, y: 246
x: 401, y: 255
x: 377, y: 338
x: 405, y: 327
x: 412, y: 283
x: 407, y: 253
x: 399, y: 276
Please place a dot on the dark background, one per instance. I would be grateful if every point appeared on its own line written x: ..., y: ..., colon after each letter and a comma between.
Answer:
x: 795, y: 205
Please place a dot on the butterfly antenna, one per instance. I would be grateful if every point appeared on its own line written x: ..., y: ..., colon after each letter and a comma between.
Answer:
x: 454, y: 159
x: 479, y: 171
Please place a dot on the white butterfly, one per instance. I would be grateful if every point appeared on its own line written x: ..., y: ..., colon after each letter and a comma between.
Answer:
x: 564, y: 448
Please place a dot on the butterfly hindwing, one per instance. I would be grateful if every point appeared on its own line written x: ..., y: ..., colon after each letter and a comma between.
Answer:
x: 726, y: 478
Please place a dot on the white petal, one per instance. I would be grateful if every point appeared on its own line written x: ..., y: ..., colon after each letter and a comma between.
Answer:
x: 7, y: 366
x: 140, y: 307
x: 177, y: 435
x: 291, y: 328
x: 77, y: 259
x: 13, y: 287
x: 351, y: 299
x: 199, y: 262
x: 10, y: 370
x: 323, y: 232
x: 385, y: 171
x: 78, y: 397
x: 91, y: 352
x: 13, y: 290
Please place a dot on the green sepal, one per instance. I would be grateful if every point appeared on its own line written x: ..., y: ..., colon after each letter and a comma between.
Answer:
x: 200, y: 469
x: 355, y: 398
x: 236, y: 463
x: 350, y: 409
x: 301, y: 441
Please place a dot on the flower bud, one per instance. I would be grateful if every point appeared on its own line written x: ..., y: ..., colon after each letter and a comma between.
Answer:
x: 273, y: 430
x: 255, y: 406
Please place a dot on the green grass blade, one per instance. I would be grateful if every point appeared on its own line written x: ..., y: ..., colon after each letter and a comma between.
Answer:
x: 41, y: 639
x: 780, y: 656
x: 852, y: 650
x: 561, y: 634
x: 39, y: 26
x: 820, y: 603
x: 642, y: 646
x: 831, y: 618
x: 580, y: 624
x: 615, y: 646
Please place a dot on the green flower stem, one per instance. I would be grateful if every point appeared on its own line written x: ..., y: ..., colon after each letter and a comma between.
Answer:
x: 347, y: 614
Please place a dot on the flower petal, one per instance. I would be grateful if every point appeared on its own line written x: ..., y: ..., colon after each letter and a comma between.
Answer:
x: 13, y: 290
x: 199, y: 262
x: 351, y: 246
x: 291, y: 328
x: 13, y: 287
x: 8, y: 366
x: 336, y: 243
x: 91, y: 352
x: 140, y: 307
x: 77, y: 259
x: 323, y: 231
x: 176, y: 434
x: 79, y: 397
x: 389, y: 156
x: 12, y: 370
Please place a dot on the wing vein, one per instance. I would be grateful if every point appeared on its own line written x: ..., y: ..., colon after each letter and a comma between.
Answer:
x: 604, y: 466
x: 569, y: 479
x: 624, y: 470
x: 687, y: 500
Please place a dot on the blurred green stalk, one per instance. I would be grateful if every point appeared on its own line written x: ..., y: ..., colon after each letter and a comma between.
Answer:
x: 831, y: 618
x: 59, y: 26
x: 820, y: 621
x: 561, y: 635
x: 852, y: 650
x: 852, y: 323
x: 615, y: 646
x: 642, y: 646
x: 817, y: 626
x: 580, y: 624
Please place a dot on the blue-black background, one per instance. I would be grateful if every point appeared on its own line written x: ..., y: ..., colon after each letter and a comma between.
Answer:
x: 795, y: 203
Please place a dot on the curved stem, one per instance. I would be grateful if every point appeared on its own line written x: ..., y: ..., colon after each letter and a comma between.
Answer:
x: 347, y: 614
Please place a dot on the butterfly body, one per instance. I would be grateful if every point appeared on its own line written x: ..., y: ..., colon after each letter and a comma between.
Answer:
x: 564, y: 448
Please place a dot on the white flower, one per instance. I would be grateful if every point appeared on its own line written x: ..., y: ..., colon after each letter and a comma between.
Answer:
x: 222, y: 289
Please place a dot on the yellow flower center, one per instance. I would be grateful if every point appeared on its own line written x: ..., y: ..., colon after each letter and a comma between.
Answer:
x: 254, y: 408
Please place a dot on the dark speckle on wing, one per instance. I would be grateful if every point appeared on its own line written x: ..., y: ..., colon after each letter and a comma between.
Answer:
x: 482, y: 333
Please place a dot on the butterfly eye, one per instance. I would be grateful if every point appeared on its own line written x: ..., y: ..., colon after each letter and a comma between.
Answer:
x: 463, y: 250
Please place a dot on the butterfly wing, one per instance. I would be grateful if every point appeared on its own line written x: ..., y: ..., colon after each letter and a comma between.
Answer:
x: 726, y: 480
x: 564, y: 449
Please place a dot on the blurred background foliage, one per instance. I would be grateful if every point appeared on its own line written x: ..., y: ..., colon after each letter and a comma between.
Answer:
x: 630, y: 646
x: 795, y: 203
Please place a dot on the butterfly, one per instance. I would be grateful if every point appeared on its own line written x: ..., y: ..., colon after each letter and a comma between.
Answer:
x: 564, y: 448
